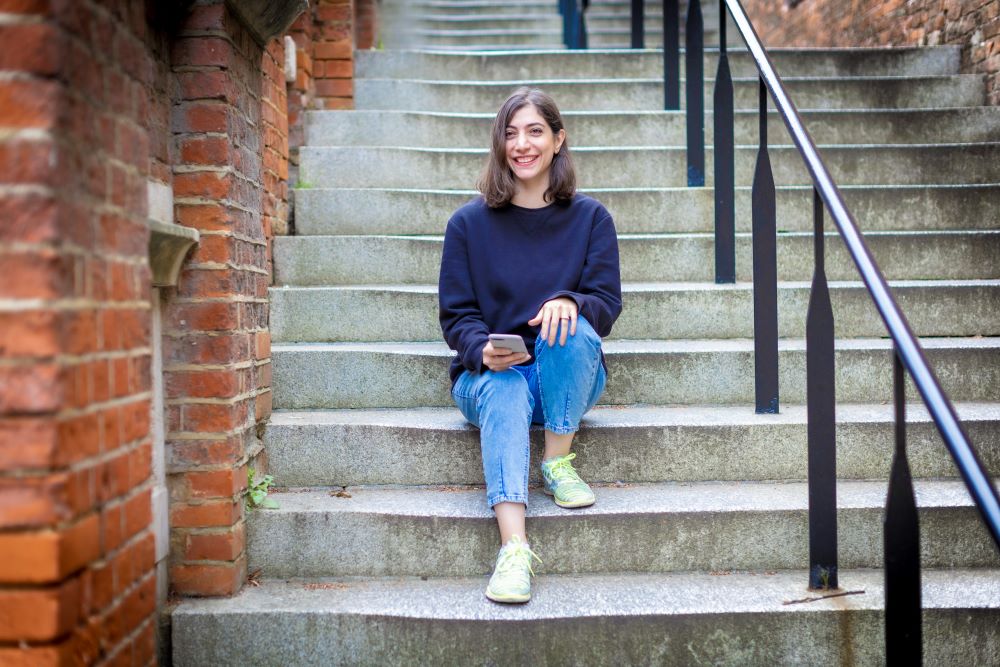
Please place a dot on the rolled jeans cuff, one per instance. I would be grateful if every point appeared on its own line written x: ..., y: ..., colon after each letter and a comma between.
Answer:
x: 507, y: 498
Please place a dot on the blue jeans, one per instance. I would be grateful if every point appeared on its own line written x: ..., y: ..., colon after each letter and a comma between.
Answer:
x: 556, y: 390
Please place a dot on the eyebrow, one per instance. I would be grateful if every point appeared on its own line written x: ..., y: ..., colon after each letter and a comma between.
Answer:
x: 536, y: 124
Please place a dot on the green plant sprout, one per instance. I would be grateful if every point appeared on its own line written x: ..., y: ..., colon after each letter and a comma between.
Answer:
x: 257, y: 491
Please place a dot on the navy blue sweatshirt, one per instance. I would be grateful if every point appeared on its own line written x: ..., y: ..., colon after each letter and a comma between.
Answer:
x: 500, y: 265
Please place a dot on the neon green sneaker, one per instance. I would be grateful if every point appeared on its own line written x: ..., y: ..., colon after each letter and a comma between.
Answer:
x: 563, y: 484
x: 511, y: 580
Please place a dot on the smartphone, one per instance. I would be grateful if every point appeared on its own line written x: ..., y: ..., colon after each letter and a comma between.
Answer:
x: 511, y: 342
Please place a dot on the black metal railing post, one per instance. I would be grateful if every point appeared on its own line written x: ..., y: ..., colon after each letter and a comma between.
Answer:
x: 574, y: 29
x: 694, y: 73
x: 901, y: 537
x: 638, y: 24
x: 822, y: 419
x: 765, y: 274
x: 671, y: 56
x: 564, y: 11
x: 724, y: 159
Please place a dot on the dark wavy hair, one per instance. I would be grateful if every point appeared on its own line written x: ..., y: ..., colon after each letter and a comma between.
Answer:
x: 497, y: 181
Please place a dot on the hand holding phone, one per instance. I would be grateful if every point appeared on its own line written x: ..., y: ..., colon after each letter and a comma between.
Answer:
x: 503, y: 351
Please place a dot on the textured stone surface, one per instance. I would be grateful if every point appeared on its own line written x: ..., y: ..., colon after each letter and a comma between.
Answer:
x: 366, y: 260
x: 675, y: 619
x: 647, y: 94
x: 438, y: 129
x: 630, y: 444
x: 649, y: 63
x: 692, y: 372
x: 654, y: 167
x: 451, y: 531
x: 638, y: 210
x: 653, y: 310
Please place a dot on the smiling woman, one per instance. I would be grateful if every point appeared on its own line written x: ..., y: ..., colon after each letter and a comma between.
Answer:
x: 530, y: 258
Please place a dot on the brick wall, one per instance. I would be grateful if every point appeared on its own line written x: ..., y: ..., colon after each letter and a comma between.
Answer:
x: 973, y: 25
x: 96, y: 107
x: 228, y: 135
x: 77, y: 580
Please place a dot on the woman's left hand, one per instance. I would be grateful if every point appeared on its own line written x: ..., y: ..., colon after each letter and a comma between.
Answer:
x: 557, y: 316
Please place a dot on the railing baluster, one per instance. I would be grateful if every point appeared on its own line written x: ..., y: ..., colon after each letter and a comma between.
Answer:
x: 765, y: 275
x: 638, y: 24
x: 822, y: 419
x: 724, y: 159
x: 694, y: 72
x: 901, y: 536
x: 671, y: 56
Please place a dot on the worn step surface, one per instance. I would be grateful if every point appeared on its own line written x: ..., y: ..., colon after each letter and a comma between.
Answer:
x: 655, y: 128
x: 648, y: 63
x: 666, y: 166
x: 662, y: 527
x: 632, y: 444
x: 647, y: 94
x: 724, y: 618
x: 688, y: 372
x: 329, y: 211
x: 357, y: 260
x: 652, y: 310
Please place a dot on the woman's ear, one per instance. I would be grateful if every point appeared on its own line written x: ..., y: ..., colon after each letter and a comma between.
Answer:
x: 560, y: 138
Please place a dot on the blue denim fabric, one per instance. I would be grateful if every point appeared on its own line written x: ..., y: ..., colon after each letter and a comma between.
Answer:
x: 556, y: 390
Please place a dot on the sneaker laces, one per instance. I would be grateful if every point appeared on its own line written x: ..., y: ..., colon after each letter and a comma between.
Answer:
x: 562, y: 470
x: 513, y: 556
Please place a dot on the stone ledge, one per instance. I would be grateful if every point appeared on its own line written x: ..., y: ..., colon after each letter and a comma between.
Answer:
x: 168, y: 245
x: 267, y: 18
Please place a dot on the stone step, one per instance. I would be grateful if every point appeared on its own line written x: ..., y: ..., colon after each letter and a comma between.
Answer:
x: 665, y: 527
x: 627, y: 444
x: 647, y: 94
x: 604, y: 20
x: 723, y: 618
x: 382, y: 260
x: 550, y: 33
x: 657, y: 372
x: 326, y: 211
x: 655, y: 128
x: 648, y: 63
x: 654, y: 167
x: 652, y: 310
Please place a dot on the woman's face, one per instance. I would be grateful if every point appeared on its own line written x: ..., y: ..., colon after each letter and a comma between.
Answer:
x: 531, y: 146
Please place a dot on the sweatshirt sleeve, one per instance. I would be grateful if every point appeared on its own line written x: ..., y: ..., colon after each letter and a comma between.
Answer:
x: 599, y: 295
x: 458, y: 309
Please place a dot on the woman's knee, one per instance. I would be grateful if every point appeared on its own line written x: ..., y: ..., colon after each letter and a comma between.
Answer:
x: 506, y: 388
x: 584, y: 342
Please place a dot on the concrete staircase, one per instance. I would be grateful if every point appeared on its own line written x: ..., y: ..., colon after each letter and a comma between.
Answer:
x: 380, y: 550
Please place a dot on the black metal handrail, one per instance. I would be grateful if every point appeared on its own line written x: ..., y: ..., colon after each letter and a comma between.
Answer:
x: 901, y: 534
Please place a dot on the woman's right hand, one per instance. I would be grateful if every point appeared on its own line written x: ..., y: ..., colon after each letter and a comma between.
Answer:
x: 500, y: 359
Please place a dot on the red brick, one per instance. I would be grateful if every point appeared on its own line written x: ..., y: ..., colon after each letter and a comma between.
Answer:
x: 210, y: 316
x: 202, y: 384
x: 221, y: 513
x: 111, y: 527
x: 202, y: 52
x: 138, y: 513
x: 39, y: 614
x: 27, y: 333
x: 206, y: 85
x: 201, y: 117
x: 30, y: 389
x: 215, y: 545
x: 42, y: 274
x: 25, y: 104
x: 332, y: 50
x: 338, y: 69
x: 48, y: 555
x: 28, y: 219
x: 205, y: 217
x: 206, y: 150
x: 210, y: 184
x: 206, y: 17
x: 216, y: 483
x: 32, y: 47
x: 184, y: 453
x: 79, y: 438
x: 27, y: 442
x: 262, y: 406
x: 195, y: 348
x: 208, y: 580
x: 214, y: 417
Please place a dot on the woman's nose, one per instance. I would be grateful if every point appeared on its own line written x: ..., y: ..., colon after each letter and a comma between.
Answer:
x: 522, y: 140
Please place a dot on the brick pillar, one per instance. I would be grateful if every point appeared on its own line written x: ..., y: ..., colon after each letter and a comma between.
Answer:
x: 217, y: 346
x: 77, y: 580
